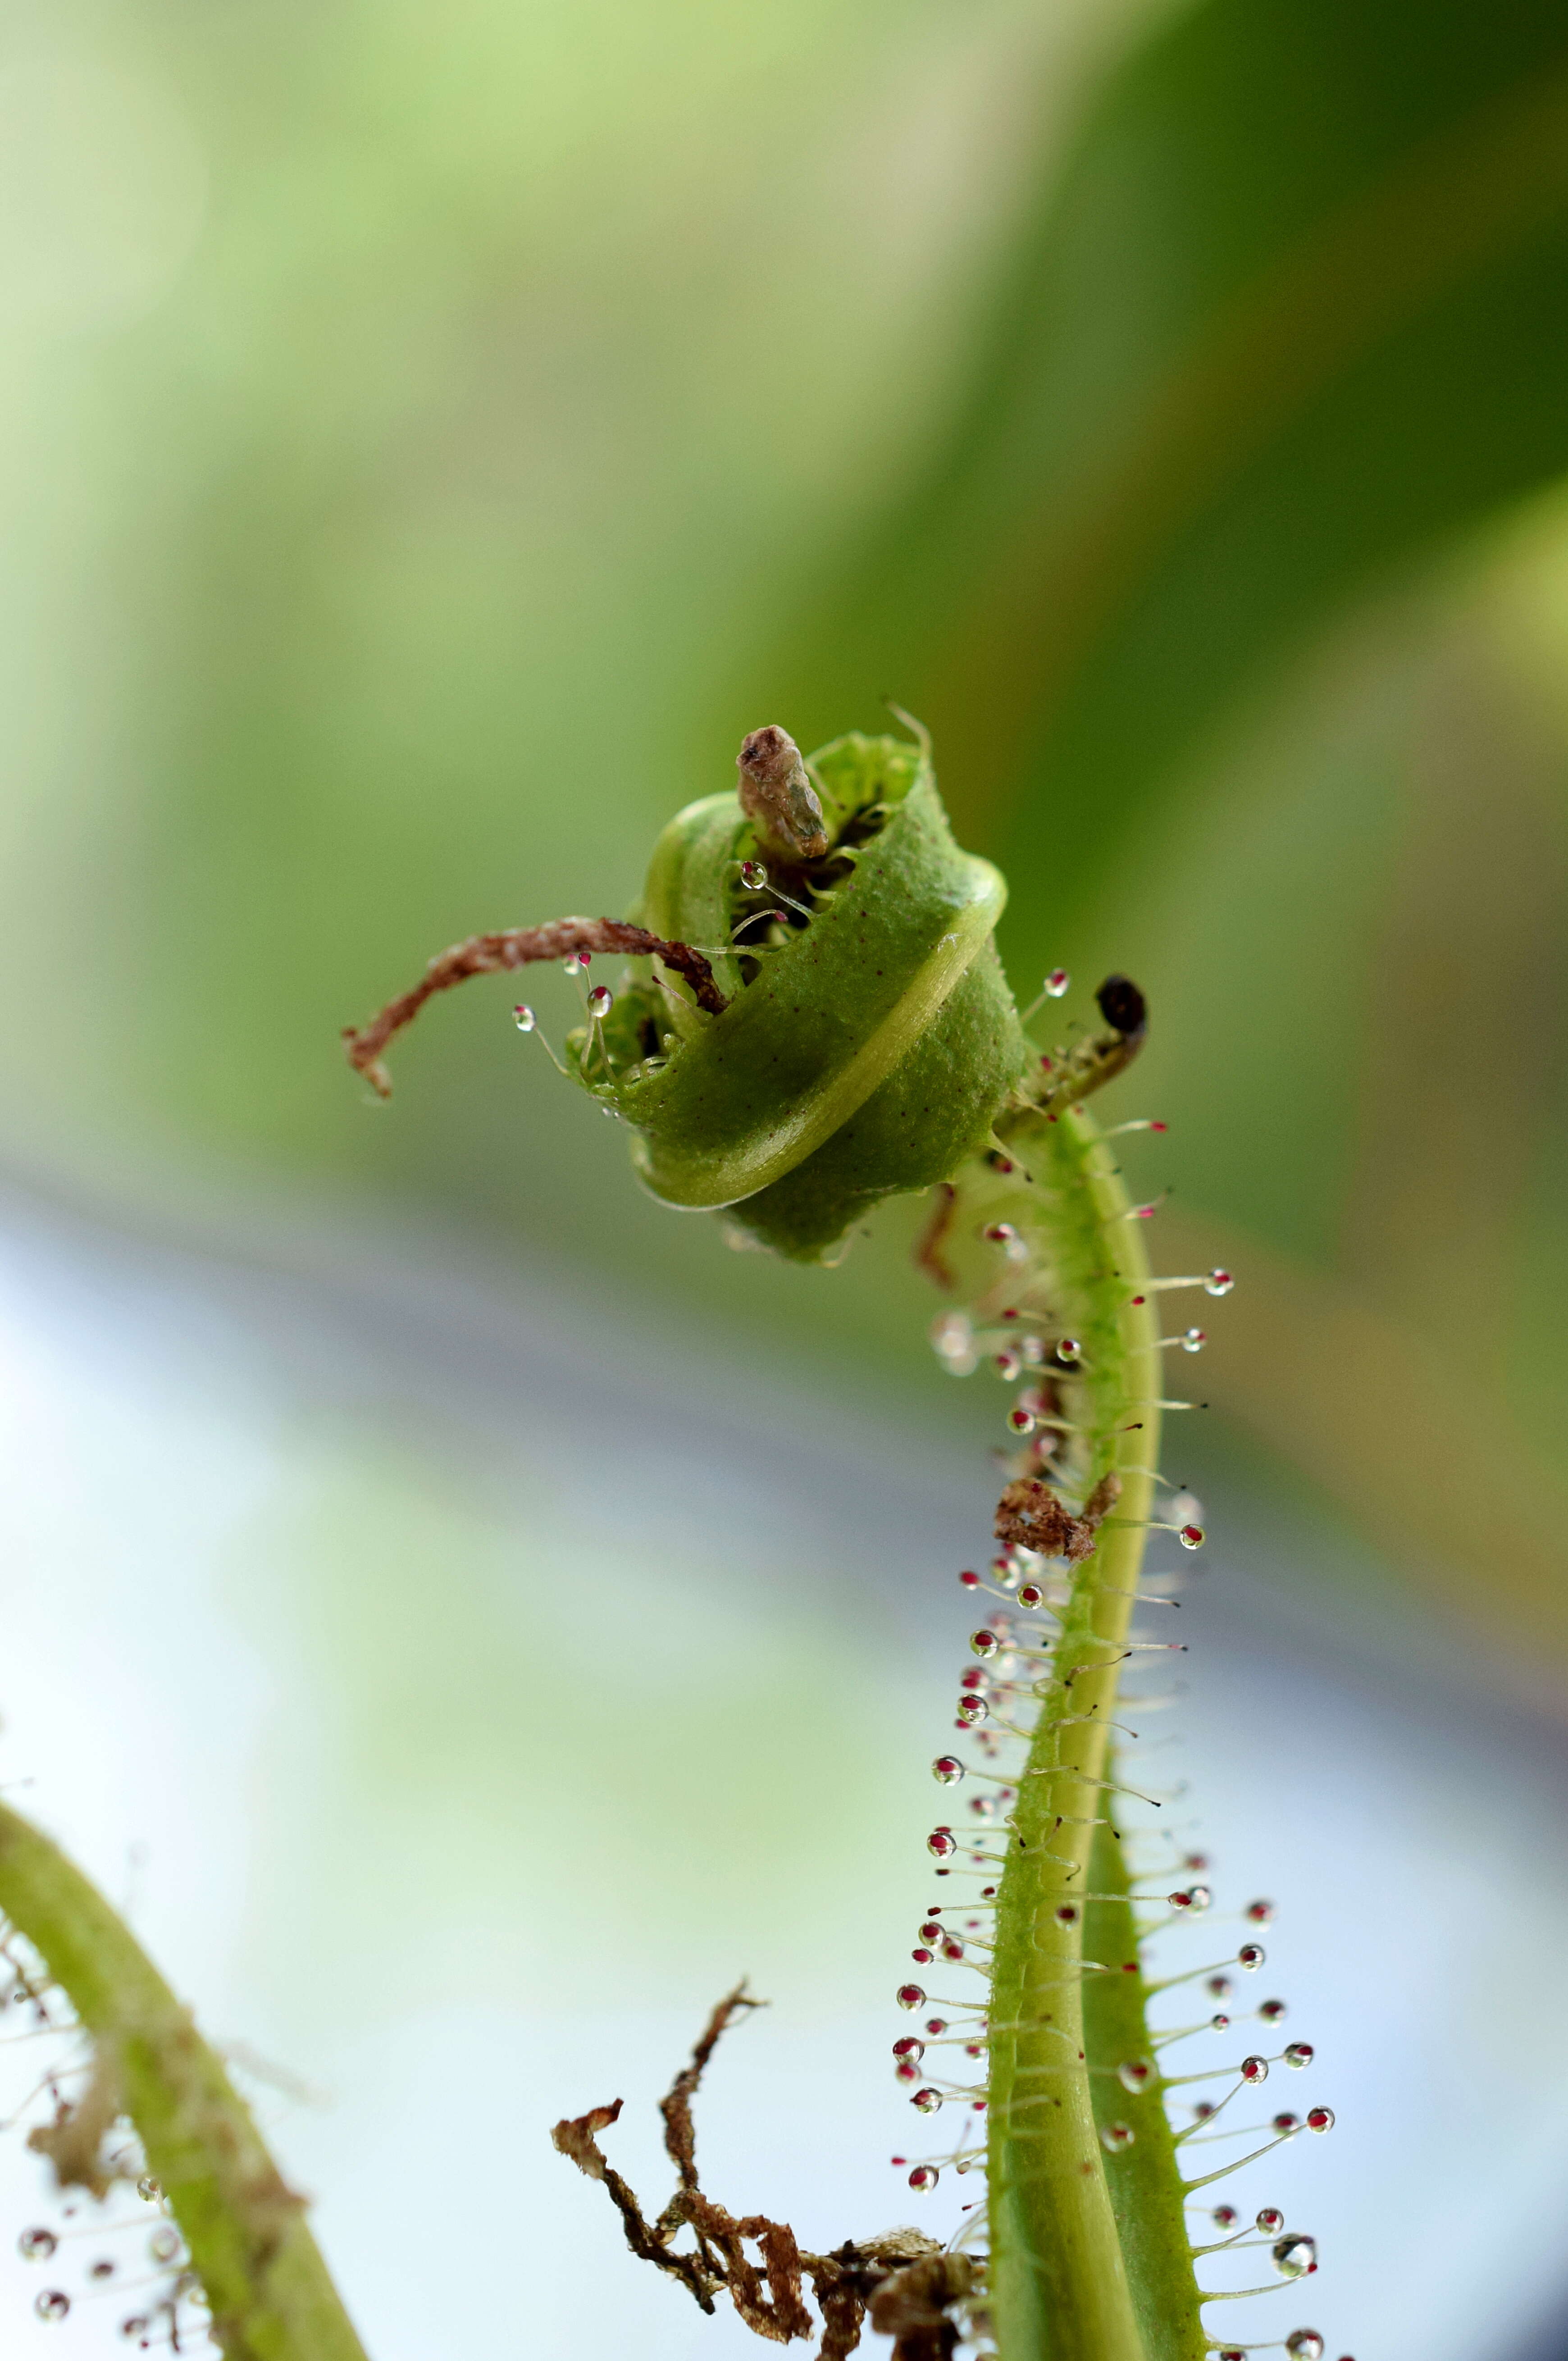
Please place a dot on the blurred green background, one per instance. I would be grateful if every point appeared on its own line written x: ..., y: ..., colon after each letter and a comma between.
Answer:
x: 431, y: 437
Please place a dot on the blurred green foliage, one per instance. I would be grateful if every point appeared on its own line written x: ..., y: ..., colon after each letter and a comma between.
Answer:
x: 432, y: 436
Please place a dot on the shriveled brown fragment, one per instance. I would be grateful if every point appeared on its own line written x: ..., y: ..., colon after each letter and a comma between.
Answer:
x: 675, y: 2106
x: 514, y: 947
x: 1031, y: 1516
x: 777, y: 796
x: 780, y: 2314
x: 768, y: 2293
x: 912, y: 2306
x: 575, y: 2136
x: 73, y: 2143
x: 1102, y: 1499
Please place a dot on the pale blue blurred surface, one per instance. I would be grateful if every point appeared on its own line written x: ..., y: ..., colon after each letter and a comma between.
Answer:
x: 467, y: 1824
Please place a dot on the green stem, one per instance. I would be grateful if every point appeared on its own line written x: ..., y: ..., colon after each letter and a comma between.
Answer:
x: 270, y: 2295
x: 1147, y: 2194
x: 1059, y: 2278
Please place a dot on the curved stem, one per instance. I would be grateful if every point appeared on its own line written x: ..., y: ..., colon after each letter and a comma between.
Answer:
x: 1060, y: 2288
x: 270, y: 2295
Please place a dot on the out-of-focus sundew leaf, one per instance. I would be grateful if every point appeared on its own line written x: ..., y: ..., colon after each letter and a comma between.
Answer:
x: 1352, y: 942
x: 1293, y: 313
x: 1386, y: 1422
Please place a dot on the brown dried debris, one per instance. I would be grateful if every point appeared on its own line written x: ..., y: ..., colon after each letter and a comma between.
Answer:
x: 777, y: 796
x: 903, y: 2277
x: 514, y: 947
x: 1030, y: 1516
x: 73, y: 2143
x: 912, y: 2306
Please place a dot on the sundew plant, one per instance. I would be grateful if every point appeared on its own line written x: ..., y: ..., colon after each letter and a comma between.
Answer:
x: 812, y: 1017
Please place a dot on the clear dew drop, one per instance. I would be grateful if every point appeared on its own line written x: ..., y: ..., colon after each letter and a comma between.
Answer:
x: 941, y: 1844
x: 952, y: 1341
x: 1223, y: 2217
x: 1250, y: 1956
x: 910, y: 1996
x: 164, y: 2244
x: 37, y: 2246
x: 523, y: 1018
x: 1304, y: 2345
x: 149, y: 2188
x: 927, y: 2101
x: 909, y: 2045
x: 1260, y: 1914
x: 1070, y: 1350
x: 1193, y: 1340
x: 1031, y: 1595
x: 1220, y: 1987
x: 1021, y: 1421
x: 1057, y: 983
x: 601, y: 1000
x: 1320, y: 2119
x: 973, y: 1708
x: 947, y: 1769
x: 1271, y: 2012
x: 984, y: 1643
x: 753, y: 876
x: 1217, y: 2023
x: 1219, y: 1282
x: 51, y: 2303
x: 1284, y: 2125
x: 1115, y: 2137
x: 1299, y: 2053
x: 924, y: 2177
x: 1295, y: 2255
x: 1271, y: 2221
x: 1135, y: 2074
x: 1190, y: 1536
